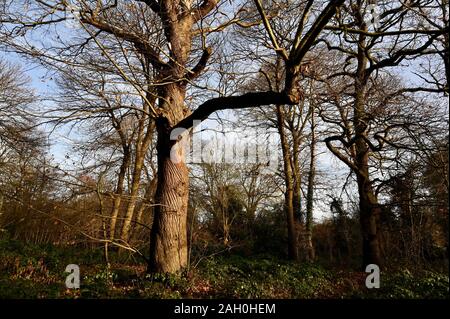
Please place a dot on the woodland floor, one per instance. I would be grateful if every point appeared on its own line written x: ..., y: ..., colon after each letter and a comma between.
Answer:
x: 30, y: 271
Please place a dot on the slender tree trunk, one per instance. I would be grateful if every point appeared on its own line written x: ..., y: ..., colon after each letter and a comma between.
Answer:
x: 104, y: 227
x: 310, y: 195
x: 297, y: 202
x: 226, y: 233
x: 148, y: 197
x: 119, y: 192
x: 136, y: 178
x: 289, y: 193
x: 142, y: 146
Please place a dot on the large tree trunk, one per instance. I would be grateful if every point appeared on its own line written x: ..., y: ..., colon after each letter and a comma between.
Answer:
x: 369, y: 216
x: 368, y: 203
x: 368, y: 207
x: 168, y: 242
x: 168, y: 238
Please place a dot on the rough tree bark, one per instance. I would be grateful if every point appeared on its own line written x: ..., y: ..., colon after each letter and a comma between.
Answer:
x: 168, y: 239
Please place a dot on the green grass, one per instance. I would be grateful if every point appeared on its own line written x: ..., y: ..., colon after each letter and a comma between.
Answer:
x: 30, y: 271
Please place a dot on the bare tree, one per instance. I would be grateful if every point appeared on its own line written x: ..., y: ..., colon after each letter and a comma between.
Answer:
x: 15, y: 104
x: 365, y: 65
